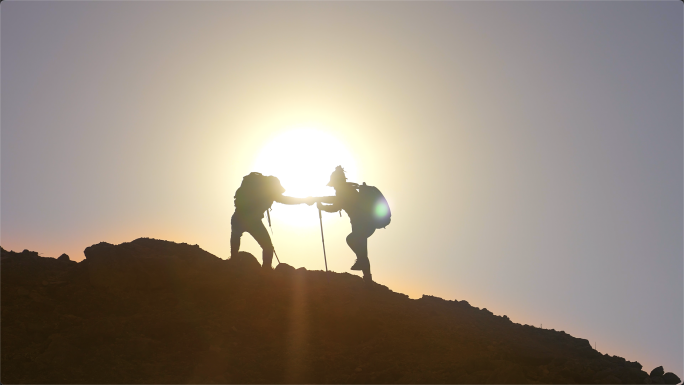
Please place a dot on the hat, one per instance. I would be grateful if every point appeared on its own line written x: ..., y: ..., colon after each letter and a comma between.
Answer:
x: 337, y: 176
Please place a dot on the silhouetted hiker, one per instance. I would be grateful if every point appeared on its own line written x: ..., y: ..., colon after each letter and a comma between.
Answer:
x: 256, y: 195
x: 367, y: 210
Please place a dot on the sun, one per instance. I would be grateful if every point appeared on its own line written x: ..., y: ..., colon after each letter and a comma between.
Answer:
x: 303, y: 160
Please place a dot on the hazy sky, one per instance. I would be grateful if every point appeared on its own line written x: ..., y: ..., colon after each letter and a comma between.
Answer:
x: 531, y: 152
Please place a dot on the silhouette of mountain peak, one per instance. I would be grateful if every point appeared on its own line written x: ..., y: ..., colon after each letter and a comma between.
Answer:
x: 162, y: 312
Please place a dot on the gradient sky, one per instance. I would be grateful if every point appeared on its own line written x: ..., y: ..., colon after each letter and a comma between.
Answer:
x: 531, y: 152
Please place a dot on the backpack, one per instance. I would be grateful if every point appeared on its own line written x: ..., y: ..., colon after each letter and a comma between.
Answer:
x: 374, y: 205
x: 257, y: 193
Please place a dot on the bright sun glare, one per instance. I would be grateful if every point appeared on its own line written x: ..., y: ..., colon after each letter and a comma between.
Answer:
x: 303, y: 160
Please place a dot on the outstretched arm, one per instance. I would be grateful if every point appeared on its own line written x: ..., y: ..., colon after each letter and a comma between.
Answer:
x: 294, y: 201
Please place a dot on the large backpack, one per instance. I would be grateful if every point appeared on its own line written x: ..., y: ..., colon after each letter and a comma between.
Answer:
x: 257, y: 193
x: 374, y: 205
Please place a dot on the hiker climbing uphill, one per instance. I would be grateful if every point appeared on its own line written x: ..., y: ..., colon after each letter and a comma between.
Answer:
x: 253, y: 198
x: 367, y: 210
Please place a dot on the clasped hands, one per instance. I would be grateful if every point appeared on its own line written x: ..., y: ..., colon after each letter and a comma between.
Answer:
x: 311, y: 200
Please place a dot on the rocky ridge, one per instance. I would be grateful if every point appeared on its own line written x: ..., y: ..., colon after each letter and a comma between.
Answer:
x: 153, y: 311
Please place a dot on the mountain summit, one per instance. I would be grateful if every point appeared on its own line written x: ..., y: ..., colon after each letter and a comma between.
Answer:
x: 153, y: 311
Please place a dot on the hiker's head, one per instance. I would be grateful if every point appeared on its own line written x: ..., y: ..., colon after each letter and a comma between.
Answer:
x: 275, y: 186
x: 337, y: 178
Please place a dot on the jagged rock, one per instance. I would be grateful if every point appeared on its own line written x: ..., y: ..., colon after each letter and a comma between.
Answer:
x: 31, y: 269
x: 671, y: 378
x: 152, y: 311
x: 657, y: 372
x: 29, y: 254
x: 144, y: 263
x: 633, y: 376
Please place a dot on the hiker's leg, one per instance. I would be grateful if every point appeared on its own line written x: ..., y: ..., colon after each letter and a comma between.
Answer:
x: 260, y: 234
x: 236, y: 230
x: 363, y: 255
x: 366, y: 234
x: 352, y: 241
x: 358, y: 242
x: 354, y: 244
x: 358, y: 245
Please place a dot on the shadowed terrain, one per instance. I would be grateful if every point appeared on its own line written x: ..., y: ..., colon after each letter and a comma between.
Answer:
x: 153, y: 311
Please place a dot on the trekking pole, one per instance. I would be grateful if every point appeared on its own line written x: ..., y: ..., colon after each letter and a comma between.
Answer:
x: 268, y: 215
x: 276, y: 255
x: 320, y: 218
x: 270, y: 227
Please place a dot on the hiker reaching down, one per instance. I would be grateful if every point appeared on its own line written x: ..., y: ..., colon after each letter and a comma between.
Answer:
x: 367, y: 210
x: 254, y: 197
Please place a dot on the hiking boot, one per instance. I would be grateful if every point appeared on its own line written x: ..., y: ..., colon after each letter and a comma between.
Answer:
x: 360, y: 264
x: 368, y: 278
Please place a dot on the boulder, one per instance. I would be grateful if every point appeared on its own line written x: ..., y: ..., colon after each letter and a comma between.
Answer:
x: 657, y: 372
x: 284, y: 268
x: 244, y: 261
x: 64, y: 258
x: 671, y: 378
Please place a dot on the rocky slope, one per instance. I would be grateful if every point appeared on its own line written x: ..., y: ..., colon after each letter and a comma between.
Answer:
x: 153, y: 311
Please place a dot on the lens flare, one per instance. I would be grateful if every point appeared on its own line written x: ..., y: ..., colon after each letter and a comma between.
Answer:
x: 381, y: 209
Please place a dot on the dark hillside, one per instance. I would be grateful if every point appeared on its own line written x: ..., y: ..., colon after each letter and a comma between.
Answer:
x: 152, y: 311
